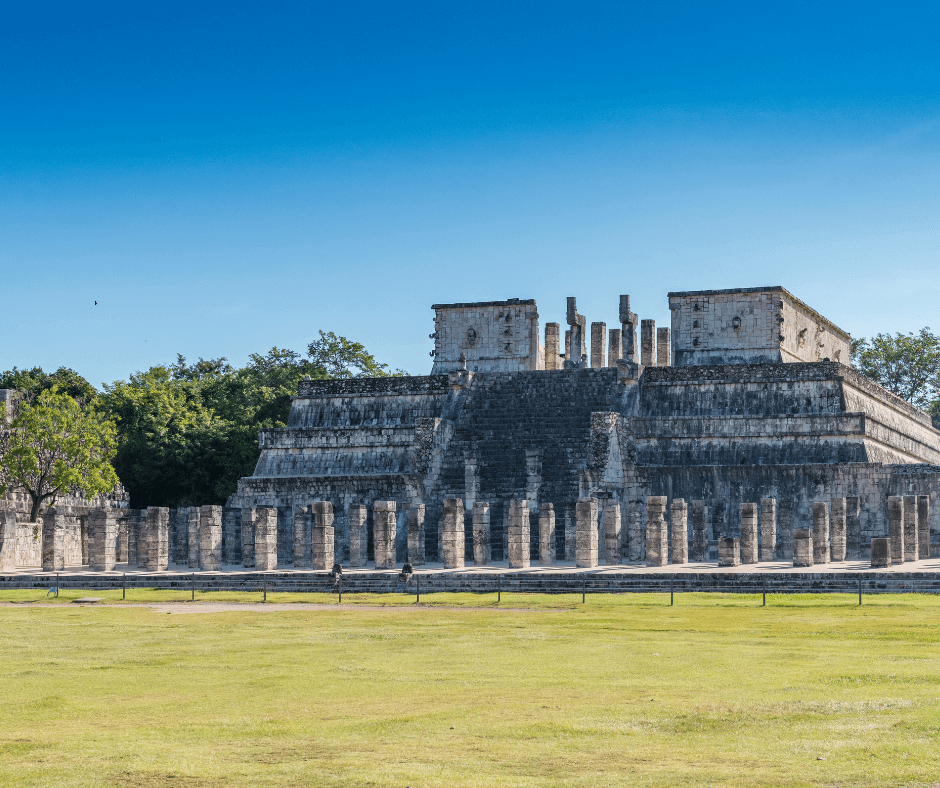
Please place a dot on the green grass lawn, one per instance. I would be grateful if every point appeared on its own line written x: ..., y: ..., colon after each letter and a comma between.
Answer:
x: 623, y: 690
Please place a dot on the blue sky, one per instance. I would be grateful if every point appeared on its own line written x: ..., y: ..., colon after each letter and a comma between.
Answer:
x: 225, y: 177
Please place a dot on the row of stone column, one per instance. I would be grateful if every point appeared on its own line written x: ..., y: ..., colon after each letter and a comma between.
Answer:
x: 908, y: 532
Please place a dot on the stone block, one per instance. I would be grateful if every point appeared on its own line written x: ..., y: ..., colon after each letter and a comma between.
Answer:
x: 768, y: 529
x: 803, y: 552
x: 571, y: 530
x: 546, y: 533
x: 598, y: 339
x: 699, y: 531
x: 657, y: 548
x: 923, y: 525
x: 358, y: 535
x: 586, y: 535
x: 880, y: 553
x: 896, y: 528
x: 749, y: 534
x: 679, y: 541
x: 384, y: 531
x: 249, y: 515
x: 8, y: 535
x: 53, y: 541
x: 265, y: 531
x: 663, y: 348
x: 648, y: 344
x: 837, y: 529
x: 302, y: 525
x: 519, y: 535
x: 784, y: 551
x: 611, y: 527
x: 636, y: 549
x: 322, y: 547
x: 231, y: 535
x: 416, y: 535
x: 911, y: 542
x: 729, y: 551
x: 158, y: 538
x: 820, y: 532
x: 210, y: 538
x: 482, y: 553
x: 853, y: 528
x: 102, y: 540
x: 192, y: 535
x: 614, y: 347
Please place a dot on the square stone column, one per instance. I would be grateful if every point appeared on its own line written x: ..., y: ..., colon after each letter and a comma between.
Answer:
x: 820, y: 532
x: 657, y: 548
x: 614, y: 346
x: 663, y: 348
x: 768, y: 529
x: 575, y: 355
x: 896, y: 528
x: 519, y: 534
x: 249, y: 517
x: 552, y: 351
x: 586, y: 536
x: 358, y: 535
x: 158, y: 538
x: 53, y: 541
x: 837, y: 530
x: 416, y: 535
x: 853, y: 528
x: 880, y: 553
x: 749, y: 541
x: 384, y: 531
x: 452, y: 533
x: 210, y: 538
x: 143, y: 540
x: 571, y: 532
x: 8, y: 536
x: 547, y: 534
x: 923, y: 526
x: 612, y: 527
x: 192, y: 535
x: 679, y: 541
x: 302, y: 539
x: 102, y: 540
x: 729, y: 551
x: 648, y: 343
x: 635, y: 547
x: 482, y: 552
x: 265, y: 546
x: 323, y: 547
x: 628, y: 328
x: 911, y: 542
x: 122, y: 515
x: 699, y: 531
x: 231, y: 535
x: 598, y: 338
x: 803, y: 547
x: 785, y: 530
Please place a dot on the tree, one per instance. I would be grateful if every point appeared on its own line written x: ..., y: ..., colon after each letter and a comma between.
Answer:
x: 905, y: 364
x: 65, y: 380
x: 53, y: 445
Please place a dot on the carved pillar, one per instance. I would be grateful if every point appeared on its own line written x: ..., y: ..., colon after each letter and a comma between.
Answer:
x: 158, y: 541
x: 612, y: 526
x: 598, y: 337
x: 102, y: 540
x: 416, y: 535
x: 923, y: 525
x: 679, y: 541
x: 614, y: 347
x: 546, y: 534
x: 803, y: 547
x: 837, y: 530
x: 53, y: 541
x: 820, y: 532
x: 577, y: 322
x: 911, y: 544
x: 301, y: 523
x: 586, y: 536
x: 648, y: 343
x: 699, y: 531
x: 768, y: 529
x: 628, y: 324
x: 249, y: 515
x: 358, y: 536
x: 323, y: 538
x: 482, y: 554
x: 896, y: 528
x: 663, y: 348
x: 452, y: 533
x: 265, y: 544
x: 853, y: 528
x: 384, y: 528
x: 552, y: 332
x: 749, y: 551
x: 657, y: 549
x: 519, y: 534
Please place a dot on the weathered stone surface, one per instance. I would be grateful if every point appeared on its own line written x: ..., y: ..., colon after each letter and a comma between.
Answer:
x: 853, y: 531
x: 158, y: 538
x: 482, y: 552
x: 384, y: 528
x: 636, y: 547
x: 784, y: 549
x: 416, y: 535
x: 519, y: 534
x: 8, y: 545
x: 657, y: 549
x: 358, y: 535
x: 648, y: 343
x: 552, y: 347
x: 53, y: 541
x: 611, y: 525
x: 699, y: 531
x: 803, y: 552
x: 614, y: 347
x: 102, y: 540
x: 749, y: 535
x: 837, y: 529
x: 679, y: 540
x: 896, y: 528
x: 820, y: 532
x: 210, y: 538
x: 923, y: 525
x: 249, y: 516
x: 302, y: 525
x: 231, y: 535
x: 193, y: 538
x: 768, y: 529
x: 546, y: 533
x: 586, y: 537
x: 880, y: 553
x: 322, y: 536
x: 598, y: 337
x: 911, y: 542
x: 729, y: 551
x: 265, y: 532
x: 571, y: 532
x: 663, y: 348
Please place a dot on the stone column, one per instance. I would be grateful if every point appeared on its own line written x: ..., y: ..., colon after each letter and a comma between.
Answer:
x: 519, y: 534
x: 679, y: 541
x: 571, y: 532
x: 785, y: 530
x: 574, y: 359
x: 729, y: 551
x: 231, y: 535
x: 911, y: 543
x: 628, y: 326
x: 384, y: 530
x: 358, y: 535
x: 853, y: 528
x: 8, y: 536
x: 896, y: 528
x: 598, y: 337
x: 192, y: 531
x: 663, y: 348
x: 102, y: 539
x: 749, y: 542
x: 546, y: 534
x: 249, y: 516
x: 158, y: 541
x: 122, y: 515
x: 482, y: 554
x: 635, y: 550
x: 567, y: 346
x: 452, y: 533
x: 923, y: 526
x: 768, y: 529
x: 322, y: 536
x: 416, y: 535
x: 210, y: 538
x: 552, y: 332
x: 648, y: 343
x: 820, y: 532
x: 265, y: 545
x: 53, y: 541
x: 614, y: 347
x: 586, y: 536
x: 143, y: 540
x: 880, y: 553
x: 699, y: 531
x: 803, y: 546
x: 611, y: 532
x: 302, y: 524
x: 657, y: 548
x: 837, y: 530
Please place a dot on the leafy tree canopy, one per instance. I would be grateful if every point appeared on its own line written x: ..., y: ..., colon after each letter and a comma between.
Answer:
x: 65, y: 380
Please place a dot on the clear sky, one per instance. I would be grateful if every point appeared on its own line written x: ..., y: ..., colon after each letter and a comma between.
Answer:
x: 222, y: 177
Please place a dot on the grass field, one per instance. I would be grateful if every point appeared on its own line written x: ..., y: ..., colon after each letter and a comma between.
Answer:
x: 538, y: 691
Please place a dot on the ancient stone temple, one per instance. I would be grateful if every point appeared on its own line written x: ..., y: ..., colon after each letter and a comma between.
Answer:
x: 747, y: 398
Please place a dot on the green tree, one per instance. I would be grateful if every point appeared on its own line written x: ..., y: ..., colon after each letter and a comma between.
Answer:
x: 905, y: 364
x: 65, y: 380
x: 54, y: 445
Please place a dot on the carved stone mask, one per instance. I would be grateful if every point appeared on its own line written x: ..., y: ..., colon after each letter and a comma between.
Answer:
x: 471, y: 337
